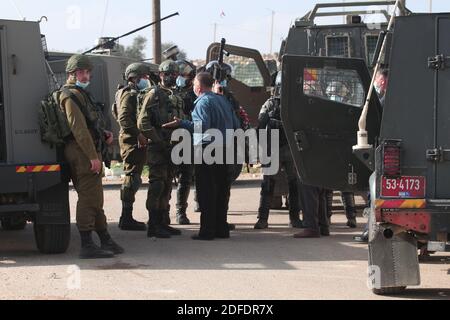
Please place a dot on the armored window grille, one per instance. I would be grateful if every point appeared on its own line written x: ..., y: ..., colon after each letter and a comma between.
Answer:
x: 338, y: 46
x: 371, y: 45
x: 61, y: 77
x: 338, y: 85
x: 245, y: 70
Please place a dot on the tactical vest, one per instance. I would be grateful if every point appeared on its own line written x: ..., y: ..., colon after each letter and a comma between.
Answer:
x: 166, y: 106
x: 93, y: 114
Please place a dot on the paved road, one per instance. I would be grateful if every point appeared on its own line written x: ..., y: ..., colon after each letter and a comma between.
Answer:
x: 251, y: 265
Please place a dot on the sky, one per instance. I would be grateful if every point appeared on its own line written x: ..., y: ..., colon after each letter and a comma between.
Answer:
x: 74, y: 25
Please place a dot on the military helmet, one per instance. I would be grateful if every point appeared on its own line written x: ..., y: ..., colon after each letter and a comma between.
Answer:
x: 186, y: 67
x: 226, y: 68
x: 135, y: 70
x: 78, y: 62
x: 169, y: 66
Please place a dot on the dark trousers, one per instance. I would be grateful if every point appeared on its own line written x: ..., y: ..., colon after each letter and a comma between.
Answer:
x: 314, y: 201
x: 213, y: 193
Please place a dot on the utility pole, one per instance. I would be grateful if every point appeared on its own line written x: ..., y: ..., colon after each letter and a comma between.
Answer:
x: 157, y: 32
x: 431, y: 6
x: 271, y: 32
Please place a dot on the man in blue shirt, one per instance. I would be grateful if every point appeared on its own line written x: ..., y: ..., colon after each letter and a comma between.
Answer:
x: 211, y: 111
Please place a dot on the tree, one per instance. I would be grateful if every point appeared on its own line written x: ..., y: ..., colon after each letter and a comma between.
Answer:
x: 135, y: 50
x: 166, y: 45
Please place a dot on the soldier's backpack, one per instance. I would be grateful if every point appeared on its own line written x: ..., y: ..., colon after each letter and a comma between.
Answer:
x: 53, y: 121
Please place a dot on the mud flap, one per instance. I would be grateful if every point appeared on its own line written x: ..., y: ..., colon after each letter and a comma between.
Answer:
x: 392, y: 262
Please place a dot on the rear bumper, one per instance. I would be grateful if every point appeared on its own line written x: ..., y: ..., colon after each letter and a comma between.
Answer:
x: 16, y: 179
x: 430, y: 221
x: 38, y: 190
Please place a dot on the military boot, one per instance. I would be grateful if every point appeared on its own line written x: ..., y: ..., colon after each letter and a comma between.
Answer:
x: 167, y: 227
x: 127, y: 222
x: 108, y: 243
x: 294, y: 207
x: 155, y: 228
x: 89, y: 250
x: 261, y: 224
x: 183, y: 191
x: 348, y: 199
x: 182, y: 218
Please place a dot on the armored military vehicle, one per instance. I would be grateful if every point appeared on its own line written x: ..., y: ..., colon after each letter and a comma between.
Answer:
x: 33, y: 177
x: 253, y: 81
x: 33, y: 186
x: 404, y: 164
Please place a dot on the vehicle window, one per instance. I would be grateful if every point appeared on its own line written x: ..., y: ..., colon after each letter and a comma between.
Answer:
x: 245, y: 70
x: 338, y: 46
x: 338, y: 85
x: 371, y: 45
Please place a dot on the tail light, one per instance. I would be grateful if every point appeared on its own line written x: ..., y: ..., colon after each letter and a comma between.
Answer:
x: 391, y: 157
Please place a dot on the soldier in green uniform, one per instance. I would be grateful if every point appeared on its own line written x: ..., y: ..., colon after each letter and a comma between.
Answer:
x: 185, y: 171
x: 160, y: 105
x: 132, y: 142
x: 83, y: 154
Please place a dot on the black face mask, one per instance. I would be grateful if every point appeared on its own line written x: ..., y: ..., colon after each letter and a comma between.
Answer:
x: 169, y: 81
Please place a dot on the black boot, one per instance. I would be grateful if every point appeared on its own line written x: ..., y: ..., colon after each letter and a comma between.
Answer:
x: 155, y: 228
x: 108, y: 243
x: 348, y: 199
x: 183, y: 190
x: 182, y: 218
x: 126, y: 222
x: 261, y: 224
x: 265, y: 202
x: 172, y: 231
x: 294, y: 209
x: 89, y: 250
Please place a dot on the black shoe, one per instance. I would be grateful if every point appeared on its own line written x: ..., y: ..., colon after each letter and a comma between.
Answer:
x: 352, y: 223
x: 231, y: 227
x: 362, y: 238
x: 131, y: 225
x: 172, y: 231
x: 261, y: 224
x: 198, y: 237
x: 182, y: 219
x: 112, y: 246
x: 157, y: 232
x: 297, y: 223
x: 325, y: 231
x: 92, y: 251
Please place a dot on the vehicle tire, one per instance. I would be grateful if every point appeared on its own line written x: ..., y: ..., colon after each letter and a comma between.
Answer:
x: 390, y: 290
x: 52, y: 238
x: 9, y: 225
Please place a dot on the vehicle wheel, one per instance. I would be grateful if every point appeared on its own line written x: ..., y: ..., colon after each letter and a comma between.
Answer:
x: 9, y: 224
x: 52, y: 238
x: 390, y: 290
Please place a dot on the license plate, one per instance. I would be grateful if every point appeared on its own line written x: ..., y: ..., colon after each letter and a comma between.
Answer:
x: 403, y: 187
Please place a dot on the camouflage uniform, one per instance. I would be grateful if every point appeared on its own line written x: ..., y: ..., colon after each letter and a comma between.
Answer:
x: 84, y: 145
x: 133, y: 157
x: 78, y: 153
x: 159, y: 106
